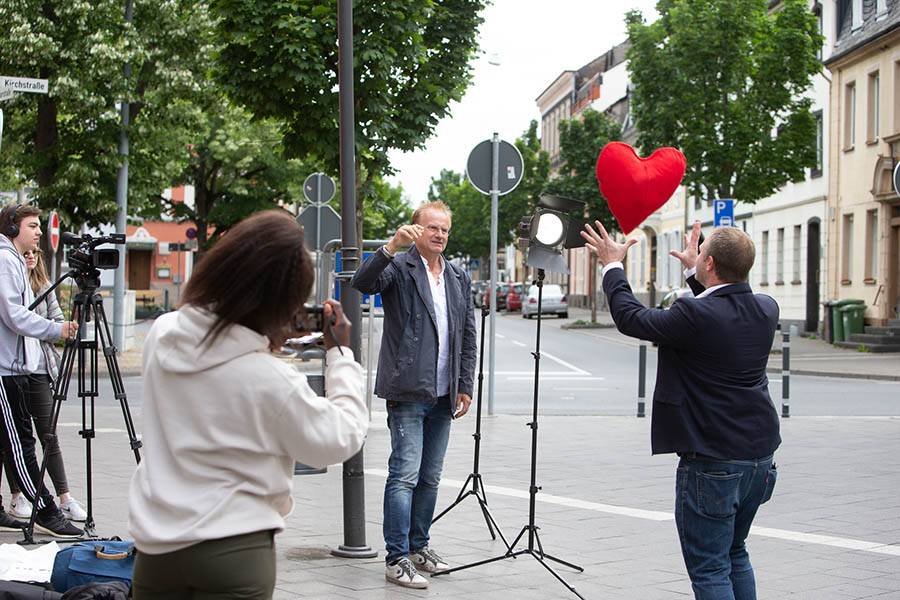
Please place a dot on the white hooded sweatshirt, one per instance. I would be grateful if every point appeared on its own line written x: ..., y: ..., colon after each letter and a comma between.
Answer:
x: 222, y: 427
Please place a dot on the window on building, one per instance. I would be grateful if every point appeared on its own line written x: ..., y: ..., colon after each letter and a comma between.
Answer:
x: 796, y: 254
x: 849, y: 115
x: 896, y: 95
x: 779, y: 256
x: 817, y: 11
x: 643, y: 262
x: 881, y: 7
x: 847, y: 250
x: 764, y: 258
x: 857, y: 16
x: 820, y: 144
x: 872, y: 108
x: 871, y: 246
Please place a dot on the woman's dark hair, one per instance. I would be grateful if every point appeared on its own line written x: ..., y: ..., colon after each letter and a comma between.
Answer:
x: 258, y: 275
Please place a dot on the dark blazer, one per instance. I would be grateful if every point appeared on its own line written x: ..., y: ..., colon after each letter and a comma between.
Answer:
x: 407, y: 363
x: 712, y: 393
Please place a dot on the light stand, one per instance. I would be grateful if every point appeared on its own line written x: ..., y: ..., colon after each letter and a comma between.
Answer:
x: 535, y: 548
x: 87, y: 304
x: 475, y: 477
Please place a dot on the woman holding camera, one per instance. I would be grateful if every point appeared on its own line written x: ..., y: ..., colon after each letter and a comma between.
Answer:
x: 224, y: 420
x: 40, y: 401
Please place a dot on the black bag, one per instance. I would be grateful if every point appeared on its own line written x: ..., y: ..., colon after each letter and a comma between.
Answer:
x: 16, y: 590
x: 87, y: 562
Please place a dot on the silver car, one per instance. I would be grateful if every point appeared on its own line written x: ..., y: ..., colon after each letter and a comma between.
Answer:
x: 553, y: 302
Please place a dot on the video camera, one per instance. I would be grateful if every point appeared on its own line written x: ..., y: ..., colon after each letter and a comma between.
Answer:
x: 85, y: 256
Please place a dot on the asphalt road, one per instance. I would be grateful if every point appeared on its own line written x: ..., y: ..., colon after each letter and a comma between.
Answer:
x: 595, y: 372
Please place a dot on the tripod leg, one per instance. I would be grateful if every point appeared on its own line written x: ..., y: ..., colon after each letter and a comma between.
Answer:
x: 557, y: 575
x: 463, y: 493
x: 543, y: 554
x: 115, y: 375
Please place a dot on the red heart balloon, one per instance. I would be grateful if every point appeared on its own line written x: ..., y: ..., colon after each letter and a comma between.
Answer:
x: 635, y: 187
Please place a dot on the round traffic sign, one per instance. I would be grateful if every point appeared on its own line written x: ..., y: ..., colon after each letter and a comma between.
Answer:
x: 54, y: 230
x: 191, y: 233
x: 479, y: 167
x: 318, y: 188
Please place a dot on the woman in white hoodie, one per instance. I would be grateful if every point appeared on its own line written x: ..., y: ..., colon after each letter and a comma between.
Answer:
x: 225, y: 420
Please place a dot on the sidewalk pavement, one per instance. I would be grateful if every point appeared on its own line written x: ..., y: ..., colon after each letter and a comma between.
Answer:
x: 808, y: 356
x: 830, y: 532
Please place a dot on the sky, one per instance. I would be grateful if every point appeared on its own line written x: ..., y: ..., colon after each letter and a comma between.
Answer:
x: 533, y: 41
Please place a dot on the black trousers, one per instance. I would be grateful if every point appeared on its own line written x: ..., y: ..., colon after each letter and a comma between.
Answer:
x: 241, y: 566
x: 40, y: 405
x: 18, y: 441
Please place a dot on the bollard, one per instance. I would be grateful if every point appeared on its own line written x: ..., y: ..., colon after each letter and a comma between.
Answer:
x: 785, y: 374
x: 642, y: 376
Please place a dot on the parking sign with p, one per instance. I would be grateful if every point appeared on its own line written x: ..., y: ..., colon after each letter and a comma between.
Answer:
x: 724, y: 212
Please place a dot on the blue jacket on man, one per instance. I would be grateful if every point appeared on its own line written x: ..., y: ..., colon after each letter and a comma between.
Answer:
x: 712, y: 394
x: 407, y: 363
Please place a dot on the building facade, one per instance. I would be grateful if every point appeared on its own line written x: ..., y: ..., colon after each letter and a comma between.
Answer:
x: 863, y: 209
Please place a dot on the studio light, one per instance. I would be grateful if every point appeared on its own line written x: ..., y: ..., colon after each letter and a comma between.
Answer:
x: 549, y: 230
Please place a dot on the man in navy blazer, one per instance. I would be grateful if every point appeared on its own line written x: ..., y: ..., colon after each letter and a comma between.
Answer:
x: 426, y: 373
x: 711, y: 404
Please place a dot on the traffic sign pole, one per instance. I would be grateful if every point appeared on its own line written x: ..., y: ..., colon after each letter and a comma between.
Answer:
x: 483, y: 171
x: 495, y: 197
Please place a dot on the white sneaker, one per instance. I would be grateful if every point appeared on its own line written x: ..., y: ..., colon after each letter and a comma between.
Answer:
x: 72, y: 510
x: 20, y: 507
x: 428, y: 560
x: 402, y: 572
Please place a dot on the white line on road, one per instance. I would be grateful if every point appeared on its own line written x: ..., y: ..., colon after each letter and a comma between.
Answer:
x: 564, y: 363
x: 560, y: 377
x: 656, y: 515
x: 518, y: 343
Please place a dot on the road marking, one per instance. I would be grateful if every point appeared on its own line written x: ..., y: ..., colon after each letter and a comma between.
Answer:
x: 564, y: 363
x: 518, y: 343
x: 560, y: 377
x: 659, y: 516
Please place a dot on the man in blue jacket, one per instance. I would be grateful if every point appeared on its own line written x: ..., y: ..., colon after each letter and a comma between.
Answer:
x: 425, y: 373
x: 711, y: 403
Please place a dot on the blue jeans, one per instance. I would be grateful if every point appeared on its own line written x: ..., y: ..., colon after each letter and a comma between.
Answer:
x: 715, y: 502
x: 419, y: 436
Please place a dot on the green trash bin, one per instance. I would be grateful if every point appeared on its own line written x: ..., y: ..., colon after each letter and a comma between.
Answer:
x: 852, y: 319
x: 837, y: 333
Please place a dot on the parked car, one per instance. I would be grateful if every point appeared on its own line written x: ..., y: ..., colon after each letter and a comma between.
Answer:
x: 553, y: 302
x: 478, y: 288
x: 514, y: 297
x: 502, y: 290
x: 674, y: 295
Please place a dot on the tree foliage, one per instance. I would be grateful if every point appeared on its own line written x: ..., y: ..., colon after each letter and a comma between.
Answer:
x: 580, y: 143
x: 411, y: 59
x: 236, y: 167
x: 732, y: 102
x: 471, y: 232
x: 67, y: 141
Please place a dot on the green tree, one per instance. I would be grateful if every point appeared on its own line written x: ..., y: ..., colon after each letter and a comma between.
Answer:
x: 68, y: 139
x: 236, y: 167
x: 470, y: 233
x: 580, y: 143
x: 733, y: 103
x: 411, y: 59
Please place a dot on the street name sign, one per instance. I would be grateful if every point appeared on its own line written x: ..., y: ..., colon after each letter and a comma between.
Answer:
x: 25, y: 84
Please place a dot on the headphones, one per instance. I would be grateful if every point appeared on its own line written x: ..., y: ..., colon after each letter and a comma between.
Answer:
x: 12, y: 228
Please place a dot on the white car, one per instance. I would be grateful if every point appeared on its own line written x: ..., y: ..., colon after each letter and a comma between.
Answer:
x: 553, y: 302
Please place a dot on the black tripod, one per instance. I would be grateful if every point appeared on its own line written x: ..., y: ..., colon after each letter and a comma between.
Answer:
x: 535, y: 548
x: 88, y: 306
x: 475, y: 477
